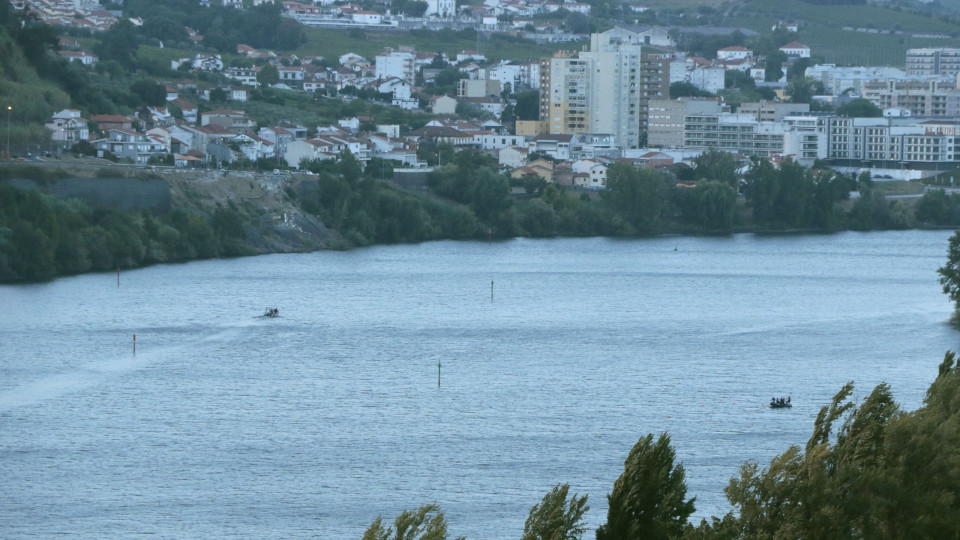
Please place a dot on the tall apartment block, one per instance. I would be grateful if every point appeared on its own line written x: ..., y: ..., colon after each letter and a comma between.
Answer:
x: 602, y: 90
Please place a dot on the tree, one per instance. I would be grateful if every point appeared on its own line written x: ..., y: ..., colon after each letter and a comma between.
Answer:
x: 685, y: 89
x: 773, y: 69
x: 713, y: 205
x: 555, y: 517
x: 528, y: 105
x: 647, y: 500
x: 425, y: 523
x: 268, y: 75
x: 637, y: 196
x: 717, y: 165
x: 950, y: 272
x: 860, y: 108
x: 119, y: 43
x: 149, y: 92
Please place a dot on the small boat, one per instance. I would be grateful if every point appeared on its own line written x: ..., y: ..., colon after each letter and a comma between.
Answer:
x: 271, y: 312
x: 780, y: 403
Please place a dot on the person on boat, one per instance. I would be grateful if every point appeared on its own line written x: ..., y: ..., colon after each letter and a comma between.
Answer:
x: 788, y: 399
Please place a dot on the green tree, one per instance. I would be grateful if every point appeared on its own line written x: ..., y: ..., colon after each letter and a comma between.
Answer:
x: 425, y: 523
x: 860, y: 108
x: 556, y: 517
x: 714, y: 205
x: 637, y: 196
x: 950, y: 272
x: 149, y: 92
x: 119, y: 43
x: 268, y: 75
x: 528, y: 105
x: 685, y: 89
x: 717, y: 165
x: 647, y: 501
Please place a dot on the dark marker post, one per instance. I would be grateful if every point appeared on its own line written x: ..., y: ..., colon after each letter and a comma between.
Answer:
x: 134, y: 344
x: 491, y: 290
x: 438, y: 374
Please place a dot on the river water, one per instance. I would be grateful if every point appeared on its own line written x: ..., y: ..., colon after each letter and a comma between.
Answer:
x: 554, y: 356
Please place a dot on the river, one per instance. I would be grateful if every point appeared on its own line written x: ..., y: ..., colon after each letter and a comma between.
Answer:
x: 475, y: 375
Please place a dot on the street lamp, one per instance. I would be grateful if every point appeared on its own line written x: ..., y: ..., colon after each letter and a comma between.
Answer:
x: 9, y: 110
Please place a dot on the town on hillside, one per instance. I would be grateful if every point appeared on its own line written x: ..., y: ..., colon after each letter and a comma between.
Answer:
x: 630, y: 93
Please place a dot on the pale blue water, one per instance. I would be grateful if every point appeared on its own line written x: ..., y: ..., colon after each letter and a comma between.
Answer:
x: 310, y: 425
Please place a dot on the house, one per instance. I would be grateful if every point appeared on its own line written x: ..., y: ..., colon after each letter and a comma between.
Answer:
x: 299, y: 132
x: 443, y: 105
x: 492, y: 105
x: 189, y: 110
x: 278, y: 136
x: 83, y: 57
x: 367, y: 18
x: 795, y: 49
x: 321, y: 148
x: 735, y: 52
x: 68, y: 128
x: 128, y: 144
x: 556, y: 146
x: 441, y: 134
x: 244, y: 75
x: 468, y: 56
x: 512, y: 157
x: 106, y: 122
x: 589, y: 173
x: 292, y: 76
x: 229, y: 119
x: 187, y: 161
x: 252, y: 147
x: 489, y: 140
x: 540, y: 167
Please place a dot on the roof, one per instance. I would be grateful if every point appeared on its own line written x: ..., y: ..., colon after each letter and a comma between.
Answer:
x: 794, y: 45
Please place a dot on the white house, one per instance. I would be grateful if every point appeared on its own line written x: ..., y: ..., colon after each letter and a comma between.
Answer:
x: 68, y: 127
x: 735, y: 52
x: 488, y: 140
x: 319, y: 148
x: 795, y: 49
x: 444, y: 105
x: 85, y: 58
x: 367, y: 17
x: 589, y: 173
x: 513, y: 157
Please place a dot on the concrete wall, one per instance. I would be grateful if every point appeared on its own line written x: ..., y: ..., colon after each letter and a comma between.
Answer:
x: 118, y: 193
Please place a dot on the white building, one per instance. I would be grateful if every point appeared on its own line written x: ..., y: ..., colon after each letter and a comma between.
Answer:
x: 795, y: 49
x: 735, y: 52
x: 443, y: 9
x: 399, y: 64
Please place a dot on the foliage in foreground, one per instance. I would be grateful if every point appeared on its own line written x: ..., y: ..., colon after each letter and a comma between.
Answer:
x: 868, y: 471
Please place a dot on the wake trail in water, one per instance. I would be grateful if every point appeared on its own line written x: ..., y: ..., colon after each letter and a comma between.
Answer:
x: 56, y: 385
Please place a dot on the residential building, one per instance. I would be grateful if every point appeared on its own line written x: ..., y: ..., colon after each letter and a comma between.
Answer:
x: 837, y: 80
x: 924, y: 97
x: 473, y: 88
x: 666, y: 118
x: 734, y: 52
x: 127, y: 144
x: 772, y: 111
x: 603, y: 90
x: 795, y: 49
x: 933, y: 61
x: 399, y: 63
x: 737, y: 133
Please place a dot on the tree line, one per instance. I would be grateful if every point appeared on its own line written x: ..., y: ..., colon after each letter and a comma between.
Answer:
x: 42, y: 237
x: 466, y: 198
x: 868, y: 471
